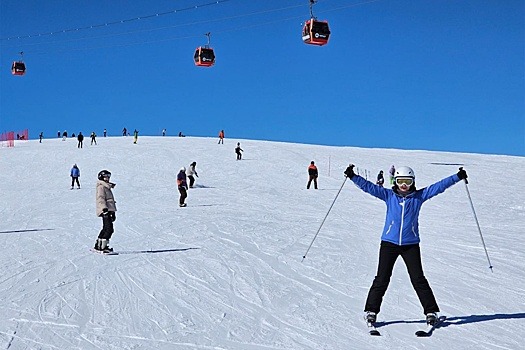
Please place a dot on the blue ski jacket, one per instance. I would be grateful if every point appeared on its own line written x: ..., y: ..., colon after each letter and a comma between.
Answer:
x: 75, y: 172
x: 402, y: 212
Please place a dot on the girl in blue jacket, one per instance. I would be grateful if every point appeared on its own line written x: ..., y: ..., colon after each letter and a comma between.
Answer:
x: 401, y: 235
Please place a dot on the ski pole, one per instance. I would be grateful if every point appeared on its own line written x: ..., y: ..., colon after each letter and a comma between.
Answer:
x: 477, y: 222
x: 322, y: 223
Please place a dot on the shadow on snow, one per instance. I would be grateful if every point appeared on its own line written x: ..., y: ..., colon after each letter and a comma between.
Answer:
x: 459, y: 320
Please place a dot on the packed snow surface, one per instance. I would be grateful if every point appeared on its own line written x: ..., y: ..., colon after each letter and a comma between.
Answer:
x: 227, y: 272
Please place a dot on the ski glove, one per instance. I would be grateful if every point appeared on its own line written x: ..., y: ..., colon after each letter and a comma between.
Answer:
x: 350, y: 171
x: 462, y: 174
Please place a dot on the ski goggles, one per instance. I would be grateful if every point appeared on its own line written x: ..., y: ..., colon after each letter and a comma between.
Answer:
x: 404, y: 181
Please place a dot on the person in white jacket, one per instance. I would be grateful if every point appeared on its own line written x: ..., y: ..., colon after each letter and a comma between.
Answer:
x: 191, y: 171
x: 106, y: 209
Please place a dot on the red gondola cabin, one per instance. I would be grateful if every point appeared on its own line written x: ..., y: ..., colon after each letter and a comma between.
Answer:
x: 18, y: 68
x: 204, y: 57
x: 316, y: 32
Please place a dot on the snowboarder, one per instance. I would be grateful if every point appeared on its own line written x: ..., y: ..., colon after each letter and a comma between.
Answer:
x: 221, y: 137
x: 106, y: 209
x: 238, y: 151
x: 380, y: 179
x: 312, y: 175
x: 183, y: 186
x: 93, y: 138
x: 191, y: 172
x: 75, y: 174
x: 80, y: 139
x: 401, y: 235
x: 391, y: 172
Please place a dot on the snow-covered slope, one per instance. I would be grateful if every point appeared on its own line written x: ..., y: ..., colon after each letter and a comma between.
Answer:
x: 227, y: 272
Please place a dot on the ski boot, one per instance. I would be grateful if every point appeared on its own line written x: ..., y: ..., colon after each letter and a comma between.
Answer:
x: 370, y: 317
x: 431, y: 318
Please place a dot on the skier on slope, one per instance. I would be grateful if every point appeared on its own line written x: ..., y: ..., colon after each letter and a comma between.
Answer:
x: 106, y: 209
x: 182, y: 186
x: 191, y: 172
x: 238, y: 151
x: 401, y: 235
x: 75, y: 174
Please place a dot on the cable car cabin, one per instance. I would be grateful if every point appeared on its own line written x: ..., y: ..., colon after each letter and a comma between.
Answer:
x: 204, y: 57
x: 316, y: 32
x: 18, y: 68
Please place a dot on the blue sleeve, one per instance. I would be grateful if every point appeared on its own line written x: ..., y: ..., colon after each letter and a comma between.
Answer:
x: 439, y: 187
x: 370, y: 188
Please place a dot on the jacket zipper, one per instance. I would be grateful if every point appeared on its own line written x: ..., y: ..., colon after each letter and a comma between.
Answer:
x: 402, y: 204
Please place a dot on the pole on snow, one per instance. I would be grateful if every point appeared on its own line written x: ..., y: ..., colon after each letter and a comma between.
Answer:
x: 322, y: 223
x: 477, y: 222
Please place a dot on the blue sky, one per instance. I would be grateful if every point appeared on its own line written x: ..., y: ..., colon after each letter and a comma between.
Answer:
x: 433, y: 75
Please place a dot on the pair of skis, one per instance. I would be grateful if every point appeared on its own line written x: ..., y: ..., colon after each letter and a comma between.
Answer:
x: 427, y: 332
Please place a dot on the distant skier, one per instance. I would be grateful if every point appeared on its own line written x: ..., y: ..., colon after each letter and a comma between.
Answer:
x: 80, y: 139
x: 135, y: 136
x: 124, y: 132
x: 312, y: 175
x: 75, y: 174
x: 93, y: 138
x: 163, y: 132
x: 105, y: 132
x: 106, y: 209
x: 41, y: 136
x: 64, y: 135
x: 191, y: 172
x: 391, y: 172
x: 221, y: 137
x: 238, y: 151
x: 380, y: 179
x: 401, y: 235
x: 58, y: 134
x: 183, y: 186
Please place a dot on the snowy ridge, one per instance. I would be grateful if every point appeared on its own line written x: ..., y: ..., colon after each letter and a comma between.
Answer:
x: 226, y: 271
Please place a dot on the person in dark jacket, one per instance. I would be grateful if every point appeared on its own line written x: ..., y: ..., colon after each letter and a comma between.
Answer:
x: 93, y: 138
x: 238, y: 151
x: 312, y: 175
x: 401, y: 235
x: 183, y: 186
x: 80, y: 139
x: 380, y: 179
x: 75, y: 174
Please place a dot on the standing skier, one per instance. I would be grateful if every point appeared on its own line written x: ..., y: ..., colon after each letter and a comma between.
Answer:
x: 106, y: 209
x: 75, y: 174
x: 80, y: 139
x: 135, y: 136
x: 191, y: 172
x: 221, y: 137
x: 391, y: 172
x: 183, y: 186
x: 380, y: 179
x: 238, y: 151
x: 41, y: 136
x: 312, y: 175
x: 93, y: 138
x: 401, y: 235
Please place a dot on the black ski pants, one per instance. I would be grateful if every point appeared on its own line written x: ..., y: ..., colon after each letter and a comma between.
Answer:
x: 183, y: 195
x: 73, y: 180
x: 107, y: 226
x: 314, y: 178
x: 192, y: 180
x: 411, y: 254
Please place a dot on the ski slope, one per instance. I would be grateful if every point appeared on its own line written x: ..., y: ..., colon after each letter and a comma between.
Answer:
x: 226, y: 272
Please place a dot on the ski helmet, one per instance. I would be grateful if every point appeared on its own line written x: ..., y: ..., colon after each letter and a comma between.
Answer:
x: 183, y: 169
x: 104, y: 173
x: 404, y: 171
